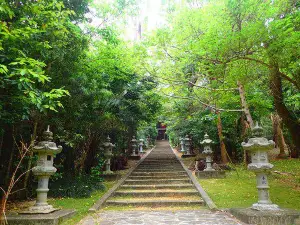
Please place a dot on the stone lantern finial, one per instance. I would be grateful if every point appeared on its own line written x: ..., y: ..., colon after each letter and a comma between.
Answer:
x: 47, y: 134
x: 257, y: 131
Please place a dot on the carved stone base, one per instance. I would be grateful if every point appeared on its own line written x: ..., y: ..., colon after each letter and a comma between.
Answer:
x: 210, y: 174
x: 53, y: 218
x: 266, y: 217
x: 43, y: 209
x: 111, y: 177
x: 266, y: 207
x: 108, y: 172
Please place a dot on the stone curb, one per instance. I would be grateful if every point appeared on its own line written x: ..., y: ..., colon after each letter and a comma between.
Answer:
x: 100, y: 202
x: 211, y: 205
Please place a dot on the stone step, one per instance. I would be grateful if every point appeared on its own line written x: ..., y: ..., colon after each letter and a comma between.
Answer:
x: 171, y: 161
x: 164, y: 173
x: 174, y: 176
x: 154, y: 203
x: 160, y: 160
x: 160, y: 165
x: 158, y: 170
x: 157, y: 193
x: 156, y: 186
x: 158, y: 181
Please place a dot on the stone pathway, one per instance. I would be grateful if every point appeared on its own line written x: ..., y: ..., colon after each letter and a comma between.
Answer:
x: 189, y: 217
x: 159, y: 182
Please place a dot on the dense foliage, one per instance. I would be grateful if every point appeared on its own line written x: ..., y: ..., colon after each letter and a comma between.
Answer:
x: 82, y: 79
x: 211, y: 54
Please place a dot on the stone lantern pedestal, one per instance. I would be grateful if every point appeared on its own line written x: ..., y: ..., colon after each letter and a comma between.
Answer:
x: 264, y: 211
x: 209, y: 172
x: 135, y: 153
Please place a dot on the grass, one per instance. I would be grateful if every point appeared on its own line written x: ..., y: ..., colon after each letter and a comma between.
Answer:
x: 238, y: 189
x: 82, y: 205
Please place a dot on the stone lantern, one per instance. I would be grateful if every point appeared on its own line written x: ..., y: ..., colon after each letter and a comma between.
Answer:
x: 187, y: 143
x: 46, y: 151
x: 207, y: 145
x: 148, y: 141
x: 108, y: 146
x: 182, y: 145
x: 134, y: 146
x: 141, y: 144
x: 258, y: 147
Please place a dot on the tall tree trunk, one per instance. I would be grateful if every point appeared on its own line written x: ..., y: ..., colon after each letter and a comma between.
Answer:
x: 245, y: 105
x: 288, y: 118
x: 278, y: 134
x: 247, y: 114
x: 224, y: 157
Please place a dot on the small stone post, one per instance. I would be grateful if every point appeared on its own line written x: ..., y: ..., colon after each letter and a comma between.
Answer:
x: 134, y: 146
x: 141, y: 144
x: 207, y: 152
x: 46, y: 151
x: 258, y: 147
x: 182, y: 144
x: 187, y: 143
x: 108, y: 146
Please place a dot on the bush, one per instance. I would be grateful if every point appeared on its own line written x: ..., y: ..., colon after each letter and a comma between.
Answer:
x: 78, y: 187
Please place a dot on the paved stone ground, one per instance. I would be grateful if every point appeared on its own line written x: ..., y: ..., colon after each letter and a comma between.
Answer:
x: 186, y: 217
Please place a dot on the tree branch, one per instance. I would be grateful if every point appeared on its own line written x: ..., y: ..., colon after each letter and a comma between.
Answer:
x: 205, y: 104
x: 286, y: 77
x: 251, y: 59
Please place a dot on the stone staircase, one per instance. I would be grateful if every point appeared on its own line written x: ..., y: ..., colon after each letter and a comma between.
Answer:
x: 159, y: 181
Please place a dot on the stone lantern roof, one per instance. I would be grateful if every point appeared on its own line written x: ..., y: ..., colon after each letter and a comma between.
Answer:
x: 207, y: 140
x: 47, y: 146
x: 108, y: 143
x: 258, y: 142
